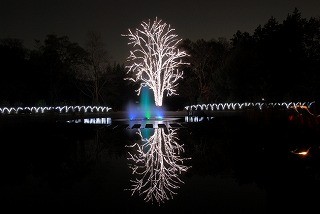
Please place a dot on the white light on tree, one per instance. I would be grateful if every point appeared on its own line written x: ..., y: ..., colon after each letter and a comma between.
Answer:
x: 157, y: 165
x: 155, y: 58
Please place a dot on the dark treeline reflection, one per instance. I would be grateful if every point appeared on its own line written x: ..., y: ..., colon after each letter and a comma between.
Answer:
x: 277, y: 62
x: 244, y: 162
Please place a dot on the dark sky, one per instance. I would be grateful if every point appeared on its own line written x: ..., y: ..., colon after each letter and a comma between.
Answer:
x: 193, y: 19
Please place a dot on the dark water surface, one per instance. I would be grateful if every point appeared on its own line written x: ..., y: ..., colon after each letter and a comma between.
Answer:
x: 235, y: 164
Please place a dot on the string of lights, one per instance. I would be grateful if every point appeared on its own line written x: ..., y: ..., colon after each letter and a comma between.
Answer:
x: 155, y: 59
x: 57, y: 109
x: 239, y: 106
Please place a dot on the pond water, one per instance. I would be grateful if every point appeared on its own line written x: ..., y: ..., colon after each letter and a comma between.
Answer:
x: 235, y: 164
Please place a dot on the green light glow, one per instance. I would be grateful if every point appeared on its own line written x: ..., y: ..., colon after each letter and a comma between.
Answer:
x: 146, y: 102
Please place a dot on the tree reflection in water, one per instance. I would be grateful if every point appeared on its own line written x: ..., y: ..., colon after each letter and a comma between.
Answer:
x: 157, y: 163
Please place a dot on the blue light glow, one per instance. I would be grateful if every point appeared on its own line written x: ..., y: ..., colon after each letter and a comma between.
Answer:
x: 146, y: 109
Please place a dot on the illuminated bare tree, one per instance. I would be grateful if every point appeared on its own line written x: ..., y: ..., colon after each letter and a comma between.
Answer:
x: 155, y: 58
x: 157, y: 164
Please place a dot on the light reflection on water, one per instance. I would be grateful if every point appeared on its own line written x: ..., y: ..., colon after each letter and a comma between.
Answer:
x: 306, y: 151
x: 143, y: 122
x: 195, y: 119
x: 97, y: 120
x: 239, y: 166
x: 156, y: 163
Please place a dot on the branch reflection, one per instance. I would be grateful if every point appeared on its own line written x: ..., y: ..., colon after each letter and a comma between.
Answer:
x: 156, y: 163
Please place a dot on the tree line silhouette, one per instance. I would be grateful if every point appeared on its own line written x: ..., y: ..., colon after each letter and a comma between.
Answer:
x: 277, y: 62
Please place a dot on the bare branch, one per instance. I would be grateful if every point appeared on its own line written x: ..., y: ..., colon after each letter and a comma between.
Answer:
x: 155, y: 58
x: 157, y: 164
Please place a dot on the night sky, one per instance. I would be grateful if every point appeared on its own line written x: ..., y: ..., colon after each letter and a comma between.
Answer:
x: 206, y: 19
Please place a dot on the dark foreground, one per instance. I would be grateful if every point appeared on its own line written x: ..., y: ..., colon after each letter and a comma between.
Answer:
x: 243, y: 163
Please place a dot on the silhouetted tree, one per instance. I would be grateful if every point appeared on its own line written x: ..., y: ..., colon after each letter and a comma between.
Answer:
x: 206, y: 58
x: 278, y: 62
x: 118, y: 92
x: 15, y: 76
x: 57, y: 61
x: 241, y: 73
x: 93, y: 73
x: 285, y: 57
